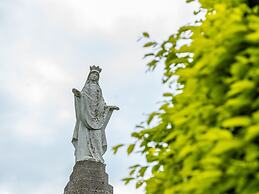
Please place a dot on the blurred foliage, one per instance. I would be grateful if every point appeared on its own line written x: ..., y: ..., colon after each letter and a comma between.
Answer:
x: 205, y: 139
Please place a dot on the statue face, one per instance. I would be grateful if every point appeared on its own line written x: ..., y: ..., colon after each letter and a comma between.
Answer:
x: 94, y: 76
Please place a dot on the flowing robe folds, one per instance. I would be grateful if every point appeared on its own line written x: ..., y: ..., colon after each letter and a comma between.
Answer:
x: 92, y: 116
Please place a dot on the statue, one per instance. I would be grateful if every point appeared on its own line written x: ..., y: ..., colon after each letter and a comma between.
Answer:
x: 92, y: 117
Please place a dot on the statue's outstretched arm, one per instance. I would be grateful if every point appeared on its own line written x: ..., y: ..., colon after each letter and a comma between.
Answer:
x: 114, y: 107
x: 76, y: 92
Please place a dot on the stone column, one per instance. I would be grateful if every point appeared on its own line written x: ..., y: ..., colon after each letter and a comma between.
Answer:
x: 88, y: 177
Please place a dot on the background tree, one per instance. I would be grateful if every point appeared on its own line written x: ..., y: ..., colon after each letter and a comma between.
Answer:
x: 205, y: 139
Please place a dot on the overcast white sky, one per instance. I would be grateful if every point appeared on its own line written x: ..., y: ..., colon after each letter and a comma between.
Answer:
x: 46, y: 48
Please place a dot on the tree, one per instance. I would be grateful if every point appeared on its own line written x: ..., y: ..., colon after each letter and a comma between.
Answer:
x: 205, y: 139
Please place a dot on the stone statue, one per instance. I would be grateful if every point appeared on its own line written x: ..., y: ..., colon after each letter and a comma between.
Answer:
x: 92, y: 117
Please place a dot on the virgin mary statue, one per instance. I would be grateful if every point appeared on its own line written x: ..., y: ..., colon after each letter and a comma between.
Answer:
x: 92, y: 116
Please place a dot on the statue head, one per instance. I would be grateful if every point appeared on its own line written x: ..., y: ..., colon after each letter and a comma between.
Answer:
x: 94, y: 74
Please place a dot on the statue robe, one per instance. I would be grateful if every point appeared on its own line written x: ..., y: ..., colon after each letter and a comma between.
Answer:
x: 92, y: 116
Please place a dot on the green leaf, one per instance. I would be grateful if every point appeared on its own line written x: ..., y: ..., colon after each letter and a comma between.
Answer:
x: 132, y: 171
x: 240, y: 86
x: 240, y: 68
x: 139, y: 184
x: 134, y: 166
x: 241, y: 121
x: 252, y: 132
x: 148, y: 55
x: 136, y: 135
x: 149, y: 44
x: 155, y: 168
x: 127, y: 180
x: 116, y: 148
x: 142, y: 171
x: 130, y: 148
x: 160, y: 53
x: 145, y: 34
x: 167, y: 94
x: 217, y: 134
x: 225, y: 146
x: 253, y: 37
x: 152, y: 64
x: 151, y: 117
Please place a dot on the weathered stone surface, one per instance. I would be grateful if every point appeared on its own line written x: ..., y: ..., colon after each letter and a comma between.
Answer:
x: 88, y: 177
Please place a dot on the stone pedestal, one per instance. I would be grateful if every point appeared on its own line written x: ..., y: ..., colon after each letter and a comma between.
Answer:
x: 88, y: 177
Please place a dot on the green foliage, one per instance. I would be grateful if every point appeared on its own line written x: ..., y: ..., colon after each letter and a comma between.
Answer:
x: 205, y: 139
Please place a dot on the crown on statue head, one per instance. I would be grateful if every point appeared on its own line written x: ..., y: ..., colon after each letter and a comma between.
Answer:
x: 95, y: 68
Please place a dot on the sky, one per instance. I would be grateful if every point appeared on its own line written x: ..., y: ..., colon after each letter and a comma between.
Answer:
x: 46, y: 48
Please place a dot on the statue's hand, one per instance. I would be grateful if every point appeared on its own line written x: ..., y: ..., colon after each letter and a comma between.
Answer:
x: 114, y: 107
x: 76, y: 92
